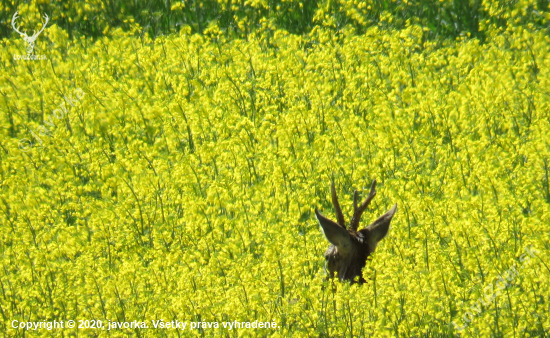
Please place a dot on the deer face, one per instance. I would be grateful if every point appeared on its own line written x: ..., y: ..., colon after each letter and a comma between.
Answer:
x: 349, y: 248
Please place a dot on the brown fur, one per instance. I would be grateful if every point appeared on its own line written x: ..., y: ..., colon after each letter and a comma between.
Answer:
x: 347, y: 254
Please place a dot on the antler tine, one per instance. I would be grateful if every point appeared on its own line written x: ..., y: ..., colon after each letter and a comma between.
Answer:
x: 15, y: 16
x: 358, y: 211
x: 43, y: 25
x: 339, y: 216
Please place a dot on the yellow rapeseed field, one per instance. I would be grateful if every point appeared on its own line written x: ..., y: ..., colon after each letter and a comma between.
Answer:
x: 176, y: 179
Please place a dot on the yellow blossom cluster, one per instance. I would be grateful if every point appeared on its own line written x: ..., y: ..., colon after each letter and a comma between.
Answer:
x: 181, y: 186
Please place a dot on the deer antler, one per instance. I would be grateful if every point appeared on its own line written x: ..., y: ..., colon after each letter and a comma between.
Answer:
x: 15, y: 16
x: 43, y: 26
x: 358, y: 211
x: 339, y: 215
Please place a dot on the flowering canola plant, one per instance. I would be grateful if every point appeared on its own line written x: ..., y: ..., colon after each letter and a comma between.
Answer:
x: 183, y: 183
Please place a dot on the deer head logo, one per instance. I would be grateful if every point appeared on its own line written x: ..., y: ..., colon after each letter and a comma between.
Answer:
x: 349, y: 248
x: 29, y: 39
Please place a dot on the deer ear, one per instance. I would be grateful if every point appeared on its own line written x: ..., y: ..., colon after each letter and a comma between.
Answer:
x: 375, y: 232
x: 335, y: 234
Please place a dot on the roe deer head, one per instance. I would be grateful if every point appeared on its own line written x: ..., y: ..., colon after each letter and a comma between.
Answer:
x: 349, y: 248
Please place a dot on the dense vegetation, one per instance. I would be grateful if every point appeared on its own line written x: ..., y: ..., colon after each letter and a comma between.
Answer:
x: 442, y: 18
x: 148, y: 176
